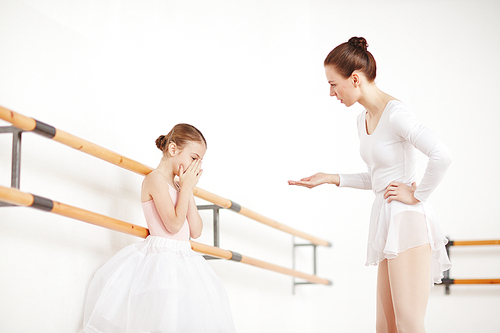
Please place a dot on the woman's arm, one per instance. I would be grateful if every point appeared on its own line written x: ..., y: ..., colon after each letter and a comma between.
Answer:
x: 407, y: 126
x: 317, y: 179
x: 362, y: 181
x: 355, y: 180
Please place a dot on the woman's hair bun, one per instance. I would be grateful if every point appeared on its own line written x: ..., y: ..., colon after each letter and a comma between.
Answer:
x: 351, y: 56
x: 358, y: 42
x: 161, y: 141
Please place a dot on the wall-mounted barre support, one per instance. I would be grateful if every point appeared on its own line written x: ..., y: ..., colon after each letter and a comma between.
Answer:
x: 29, y: 124
x: 15, y: 176
x: 17, y: 197
x: 216, y: 235
x: 447, y: 281
x: 314, y: 255
x: 216, y: 225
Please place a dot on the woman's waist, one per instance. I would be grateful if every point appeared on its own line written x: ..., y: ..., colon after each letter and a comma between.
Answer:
x: 380, y: 186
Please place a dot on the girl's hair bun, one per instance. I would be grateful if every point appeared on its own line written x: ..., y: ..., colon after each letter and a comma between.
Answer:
x: 161, y: 142
x: 358, y: 42
x: 181, y: 135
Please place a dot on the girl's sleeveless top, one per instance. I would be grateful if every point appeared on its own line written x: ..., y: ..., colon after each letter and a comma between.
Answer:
x: 155, y: 223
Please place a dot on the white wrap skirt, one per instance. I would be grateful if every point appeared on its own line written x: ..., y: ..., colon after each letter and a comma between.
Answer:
x: 396, y: 227
x: 158, y: 285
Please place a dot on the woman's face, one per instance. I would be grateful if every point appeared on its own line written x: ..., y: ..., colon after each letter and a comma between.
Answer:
x: 341, y: 88
x: 192, y: 151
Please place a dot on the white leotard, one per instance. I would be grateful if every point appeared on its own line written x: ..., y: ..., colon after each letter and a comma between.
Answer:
x: 390, y: 153
x: 391, y: 156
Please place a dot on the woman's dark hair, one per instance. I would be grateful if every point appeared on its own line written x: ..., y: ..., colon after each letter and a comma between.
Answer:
x: 351, y: 56
x: 181, y: 135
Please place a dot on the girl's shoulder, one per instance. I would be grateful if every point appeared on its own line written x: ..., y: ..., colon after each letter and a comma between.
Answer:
x: 156, y: 178
x: 152, y: 177
x: 156, y: 183
x: 154, y: 174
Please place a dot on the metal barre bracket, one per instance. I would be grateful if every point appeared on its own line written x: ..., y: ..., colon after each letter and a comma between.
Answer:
x: 236, y: 207
x: 295, y: 245
x: 44, y: 129
x: 16, y: 158
x: 237, y: 257
x: 215, y: 209
x: 446, y: 281
x: 42, y: 203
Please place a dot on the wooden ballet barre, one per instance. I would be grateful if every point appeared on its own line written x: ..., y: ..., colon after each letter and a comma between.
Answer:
x: 30, y: 124
x: 471, y: 281
x: 447, y: 281
x: 474, y: 242
x: 17, y: 197
x: 226, y: 203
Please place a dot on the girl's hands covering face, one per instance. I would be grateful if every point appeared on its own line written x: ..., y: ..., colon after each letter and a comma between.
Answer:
x: 189, y: 178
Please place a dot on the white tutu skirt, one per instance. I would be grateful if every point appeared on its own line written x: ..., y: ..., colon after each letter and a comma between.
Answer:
x: 396, y: 227
x: 158, y: 285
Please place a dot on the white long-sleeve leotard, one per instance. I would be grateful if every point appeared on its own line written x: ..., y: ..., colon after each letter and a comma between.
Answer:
x: 391, y: 156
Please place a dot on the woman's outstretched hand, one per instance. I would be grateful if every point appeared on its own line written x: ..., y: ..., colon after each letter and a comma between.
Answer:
x: 401, y: 192
x: 189, y: 178
x: 315, y: 180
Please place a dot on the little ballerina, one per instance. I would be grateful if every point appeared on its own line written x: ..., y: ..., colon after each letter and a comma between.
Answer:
x: 160, y: 284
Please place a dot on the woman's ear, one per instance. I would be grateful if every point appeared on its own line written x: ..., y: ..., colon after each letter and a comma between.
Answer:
x: 355, y: 79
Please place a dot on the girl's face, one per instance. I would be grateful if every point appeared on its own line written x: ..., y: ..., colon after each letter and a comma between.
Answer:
x: 343, y: 89
x: 192, y: 151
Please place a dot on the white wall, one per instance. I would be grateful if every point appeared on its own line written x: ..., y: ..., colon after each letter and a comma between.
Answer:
x: 250, y: 76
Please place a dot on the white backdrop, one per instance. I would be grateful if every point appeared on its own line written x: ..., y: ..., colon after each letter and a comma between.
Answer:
x: 249, y: 75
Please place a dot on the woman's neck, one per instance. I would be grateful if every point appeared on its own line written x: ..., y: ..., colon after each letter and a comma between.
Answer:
x: 374, y: 100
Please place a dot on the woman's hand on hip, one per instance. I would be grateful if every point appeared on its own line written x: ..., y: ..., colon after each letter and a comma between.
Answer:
x: 401, y: 192
x: 315, y: 180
